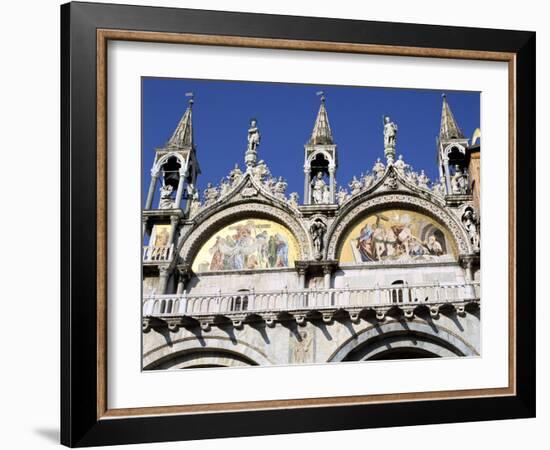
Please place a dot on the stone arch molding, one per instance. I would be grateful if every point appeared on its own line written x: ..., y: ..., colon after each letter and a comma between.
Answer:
x: 442, y: 342
x: 316, y: 152
x: 456, y: 145
x: 213, y: 359
x: 158, y: 165
x: 176, y: 350
x: 400, y: 200
x: 192, y: 242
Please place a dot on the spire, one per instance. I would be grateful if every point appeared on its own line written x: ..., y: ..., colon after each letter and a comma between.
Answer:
x: 321, y: 131
x: 449, y: 128
x: 183, y: 134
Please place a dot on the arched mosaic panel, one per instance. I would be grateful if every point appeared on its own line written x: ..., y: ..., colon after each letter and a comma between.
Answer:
x: 397, y: 235
x: 249, y: 244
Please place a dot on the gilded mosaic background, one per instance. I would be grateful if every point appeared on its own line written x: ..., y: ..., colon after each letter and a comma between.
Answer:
x: 397, y: 235
x: 248, y: 245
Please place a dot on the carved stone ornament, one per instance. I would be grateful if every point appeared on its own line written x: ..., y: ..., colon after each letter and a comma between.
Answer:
x: 391, y: 181
x: 249, y: 191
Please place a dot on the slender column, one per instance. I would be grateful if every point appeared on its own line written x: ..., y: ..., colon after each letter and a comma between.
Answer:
x: 469, y: 272
x: 143, y: 226
x: 447, y: 176
x: 191, y: 190
x: 174, y: 220
x: 181, y: 286
x: 331, y: 170
x: 327, y: 272
x: 163, y: 279
x: 179, y: 192
x: 307, y: 183
x: 181, y: 281
x: 152, y: 187
x: 302, y: 278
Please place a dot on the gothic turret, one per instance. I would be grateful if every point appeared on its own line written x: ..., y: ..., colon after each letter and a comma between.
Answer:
x: 176, y: 165
x: 182, y: 138
x: 451, y: 153
x: 175, y: 169
x: 320, y: 161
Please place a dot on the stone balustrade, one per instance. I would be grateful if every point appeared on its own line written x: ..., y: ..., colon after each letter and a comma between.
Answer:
x: 154, y: 254
x: 177, y: 309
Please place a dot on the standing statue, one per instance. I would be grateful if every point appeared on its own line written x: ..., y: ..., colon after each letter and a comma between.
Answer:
x: 253, y: 143
x: 261, y: 171
x: 318, y: 230
x: 459, y: 182
x: 390, y: 133
x: 270, y: 184
x: 210, y: 194
x: 412, y: 176
x: 355, y: 185
x: 293, y: 199
x: 318, y: 188
x: 326, y: 195
x: 280, y: 187
x: 195, y: 204
x: 235, y: 175
x: 224, y: 187
x: 423, y: 180
x: 166, y: 201
x: 342, y: 195
x: 368, y: 180
x: 439, y: 187
x: 470, y: 222
x: 400, y: 166
x: 378, y: 169
x: 253, y: 136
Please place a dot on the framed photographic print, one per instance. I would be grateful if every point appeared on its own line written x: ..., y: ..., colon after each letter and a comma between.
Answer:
x: 277, y: 224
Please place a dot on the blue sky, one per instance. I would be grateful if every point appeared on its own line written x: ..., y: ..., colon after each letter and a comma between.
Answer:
x: 286, y: 114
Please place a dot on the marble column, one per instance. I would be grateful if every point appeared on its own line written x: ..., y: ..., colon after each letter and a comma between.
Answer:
x: 179, y: 192
x: 182, y: 279
x: 328, y: 275
x: 174, y: 220
x: 301, y: 278
x: 469, y: 278
x: 143, y: 225
x: 447, y: 176
x: 307, y: 185
x: 332, y: 181
x: 152, y: 187
x: 164, y: 273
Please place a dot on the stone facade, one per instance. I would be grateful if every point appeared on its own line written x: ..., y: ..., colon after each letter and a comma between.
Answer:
x: 247, y: 275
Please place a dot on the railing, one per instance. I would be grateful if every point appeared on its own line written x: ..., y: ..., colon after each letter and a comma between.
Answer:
x: 308, y: 299
x: 152, y: 253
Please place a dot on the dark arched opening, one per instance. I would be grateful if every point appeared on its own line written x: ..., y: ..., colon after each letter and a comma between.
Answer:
x: 402, y: 353
x: 170, y: 172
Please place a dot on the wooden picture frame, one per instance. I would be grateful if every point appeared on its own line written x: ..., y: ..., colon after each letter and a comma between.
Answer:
x: 85, y: 416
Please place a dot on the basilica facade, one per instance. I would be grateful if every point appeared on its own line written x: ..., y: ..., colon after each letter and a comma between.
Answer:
x: 385, y: 267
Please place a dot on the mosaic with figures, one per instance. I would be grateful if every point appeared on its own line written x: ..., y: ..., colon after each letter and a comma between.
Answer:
x: 248, y: 245
x: 397, y: 235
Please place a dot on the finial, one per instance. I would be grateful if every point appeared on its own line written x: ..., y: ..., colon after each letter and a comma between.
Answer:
x: 322, y: 95
x: 443, y: 95
x: 191, y: 96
